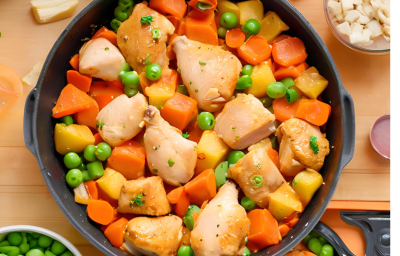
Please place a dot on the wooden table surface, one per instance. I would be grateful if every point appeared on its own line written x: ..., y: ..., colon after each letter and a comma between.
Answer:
x: 24, y: 197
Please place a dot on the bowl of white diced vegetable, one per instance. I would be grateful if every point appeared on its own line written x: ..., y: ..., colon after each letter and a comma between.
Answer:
x: 362, y: 25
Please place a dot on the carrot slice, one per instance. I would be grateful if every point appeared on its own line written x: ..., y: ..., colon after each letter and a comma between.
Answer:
x: 100, y: 211
x: 74, y: 62
x: 235, y: 38
x: 195, y: 216
x: 80, y: 81
x: 283, y: 229
x: 97, y: 139
x: 284, y: 110
x: 263, y: 230
x: 293, y: 222
x: 91, y: 188
x: 313, y: 111
x: 202, y: 188
x: 175, y: 194
x: 103, y: 93
x: 201, y: 27
x: 274, y: 156
x: 71, y: 101
x: 107, y: 34
x: 118, y: 83
x: 179, y: 110
x: 289, y: 52
x: 204, y: 205
x: 255, y: 50
x: 280, y: 38
x: 88, y: 116
x: 291, y: 71
x: 175, y: 8
x: 182, y: 205
x: 105, y: 197
x: 115, y: 232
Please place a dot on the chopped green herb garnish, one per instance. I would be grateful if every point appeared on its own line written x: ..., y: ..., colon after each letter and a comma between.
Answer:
x: 195, y: 147
x: 154, y: 147
x: 294, y: 182
x: 124, y: 126
x: 106, y: 48
x: 137, y: 201
x: 155, y: 170
x: 314, y: 144
x: 203, y: 6
x: 100, y: 125
x: 156, y: 33
x: 217, y: 235
x: 179, y: 70
x: 171, y: 162
x: 202, y: 63
x: 233, y: 128
x: 237, y: 137
x: 196, y: 90
x: 190, y: 82
x: 258, y: 166
x: 185, y: 135
x: 146, y: 20
x: 218, y: 226
x: 256, y: 181
x: 219, y: 205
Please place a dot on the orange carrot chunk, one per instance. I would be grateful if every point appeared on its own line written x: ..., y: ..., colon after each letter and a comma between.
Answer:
x: 235, y: 38
x: 204, y: 205
x: 255, y: 50
x: 91, y: 188
x: 115, y: 232
x: 263, y: 230
x: 97, y: 139
x: 71, y: 101
x: 74, y: 62
x: 105, y: 197
x: 280, y: 38
x: 292, y: 71
x: 201, y: 27
x: 289, y: 52
x: 88, y: 116
x: 284, y: 110
x: 283, y: 229
x: 175, y: 8
x: 174, y: 20
x: 274, y: 156
x: 103, y: 93
x: 174, y: 195
x: 181, y: 29
x: 202, y: 188
x: 182, y: 205
x: 107, y: 34
x: 100, y: 211
x: 194, y: 131
x: 313, y: 111
x: 179, y: 110
x: 80, y: 81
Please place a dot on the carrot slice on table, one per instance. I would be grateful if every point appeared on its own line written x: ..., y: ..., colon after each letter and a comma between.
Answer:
x: 115, y: 232
x: 107, y: 34
x: 235, y: 38
x: 289, y: 52
x: 284, y: 110
x: 201, y: 27
x: 291, y: 71
x: 179, y: 110
x: 91, y: 188
x: 274, y: 156
x: 175, y: 194
x: 182, y: 204
x: 103, y: 93
x: 97, y: 139
x: 88, y: 116
x: 175, y: 8
x: 71, y: 101
x: 263, y: 230
x: 202, y: 188
x: 255, y: 50
x: 80, y: 81
x: 313, y: 111
x: 100, y: 211
x: 74, y: 62
x: 203, y: 5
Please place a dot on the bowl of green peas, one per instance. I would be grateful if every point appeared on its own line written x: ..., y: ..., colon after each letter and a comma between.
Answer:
x: 34, y: 241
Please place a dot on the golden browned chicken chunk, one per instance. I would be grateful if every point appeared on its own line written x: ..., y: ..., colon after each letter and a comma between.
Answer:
x: 144, y: 196
x: 153, y: 236
x: 244, y: 121
x: 295, y: 152
x: 257, y: 164
x: 209, y: 73
x: 136, y: 39
x: 222, y: 226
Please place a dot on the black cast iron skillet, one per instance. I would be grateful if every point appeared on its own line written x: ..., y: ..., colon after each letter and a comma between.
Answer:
x: 39, y: 125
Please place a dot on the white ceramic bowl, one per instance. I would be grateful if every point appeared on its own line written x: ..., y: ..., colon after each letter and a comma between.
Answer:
x: 22, y: 228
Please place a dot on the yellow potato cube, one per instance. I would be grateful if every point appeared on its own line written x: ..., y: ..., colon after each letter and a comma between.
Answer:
x: 250, y: 10
x: 159, y: 94
x: 311, y: 83
x: 111, y: 183
x: 211, y: 151
x: 228, y: 6
x: 262, y: 76
x: 284, y: 202
x: 272, y: 26
x: 306, y: 183
x: 72, y: 138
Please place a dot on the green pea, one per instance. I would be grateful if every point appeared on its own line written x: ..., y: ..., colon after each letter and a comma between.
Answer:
x: 323, y: 240
x: 119, y: 14
x: 130, y: 92
x: 126, y: 67
x: 222, y: 32
x: 45, y: 241
x: 292, y: 95
x: 185, y: 250
x: 14, y: 238
x: 95, y: 170
x: 4, y: 243
x: 72, y: 160
x: 67, y: 120
x: 315, y: 245
x: 86, y: 176
x: 251, y: 27
x: 314, y: 234
x: 221, y: 173
x: 57, y: 248
x: 206, y: 121
x: 74, y: 177
x: 244, y: 82
x: 3, y: 237
x: 115, y: 24
x: 188, y: 219
x: 130, y: 79
x: 89, y: 153
x: 125, y: 4
x: 153, y: 72
x: 247, y: 203
x: 35, y: 235
x: 33, y: 243
x: 288, y: 82
x: 82, y: 166
x: 247, y: 70
x: 38, y: 248
x: 266, y: 101
x: 103, y: 151
x: 327, y: 250
x: 182, y: 89
x: 28, y: 237
x: 67, y: 253
x: 24, y: 248
x: 14, y: 252
x: 235, y: 156
x: 307, y: 239
x: 276, y: 90
x: 228, y: 20
x: 246, y: 252
x: 35, y: 252
x: 49, y: 253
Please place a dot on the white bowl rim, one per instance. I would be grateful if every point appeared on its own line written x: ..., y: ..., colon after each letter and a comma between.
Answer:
x: 43, y: 231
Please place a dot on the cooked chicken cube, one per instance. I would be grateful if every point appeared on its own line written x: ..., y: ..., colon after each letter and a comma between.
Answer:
x: 121, y: 119
x: 101, y: 59
x: 222, y: 227
x: 244, y: 121
x: 257, y: 164
x: 169, y: 155
x: 208, y: 72
x: 136, y: 39
x: 144, y: 196
x: 295, y: 152
x: 153, y: 236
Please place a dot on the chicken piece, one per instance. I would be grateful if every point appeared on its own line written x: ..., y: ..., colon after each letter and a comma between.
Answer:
x: 222, y: 226
x: 169, y: 155
x: 153, y: 236
x: 295, y: 153
x: 209, y: 73
x: 257, y: 163
x: 136, y: 40
x: 144, y: 196
x: 101, y: 59
x: 121, y: 119
x: 244, y: 121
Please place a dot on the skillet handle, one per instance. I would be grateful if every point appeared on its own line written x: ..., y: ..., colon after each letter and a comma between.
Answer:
x: 29, y: 121
x: 333, y: 239
x: 349, y: 134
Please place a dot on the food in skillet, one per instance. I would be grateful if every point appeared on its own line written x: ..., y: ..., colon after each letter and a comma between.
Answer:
x: 193, y: 131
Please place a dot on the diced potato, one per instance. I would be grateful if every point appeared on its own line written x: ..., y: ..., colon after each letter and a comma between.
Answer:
x: 336, y: 7
x: 228, y: 6
x: 111, y: 183
x: 46, y: 11
x: 250, y: 10
x: 272, y: 26
x: 352, y: 16
x: 284, y: 202
x: 344, y: 28
x: 311, y: 83
x: 159, y: 93
x: 211, y: 151
x: 262, y: 76
x: 81, y: 194
x: 72, y: 138
x: 305, y: 184
x: 347, y: 5
x: 375, y: 28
